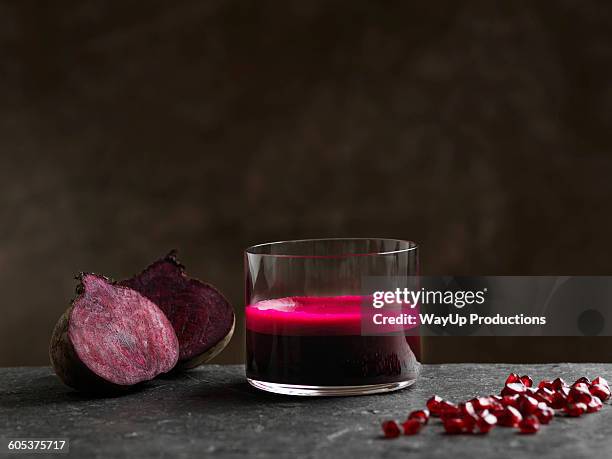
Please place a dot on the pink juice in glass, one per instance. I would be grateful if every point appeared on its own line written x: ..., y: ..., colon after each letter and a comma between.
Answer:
x: 318, y: 341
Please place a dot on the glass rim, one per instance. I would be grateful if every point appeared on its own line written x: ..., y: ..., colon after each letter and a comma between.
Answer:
x: 411, y: 246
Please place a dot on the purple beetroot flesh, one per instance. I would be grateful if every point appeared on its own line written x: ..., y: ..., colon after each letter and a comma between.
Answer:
x: 202, y: 318
x: 111, y: 337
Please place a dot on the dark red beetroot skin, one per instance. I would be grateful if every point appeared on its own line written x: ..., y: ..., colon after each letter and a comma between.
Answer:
x: 110, y: 338
x: 202, y: 318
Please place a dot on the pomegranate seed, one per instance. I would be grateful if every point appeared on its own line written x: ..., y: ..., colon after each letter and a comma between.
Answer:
x: 497, y: 406
x: 510, y: 400
x: 421, y: 415
x: 558, y: 401
x: 579, y: 394
x: 584, y: 380
x: 594, y: 405
x: 509, y: 417
x: 581, y: 386
x: 526, y: 380
x: 512, y: 378
x: 530, y: 390
x: 544, y: 413
x: 412, y: 426
x: 602, y: 381
x: 559, y: 383
x: 468, y: 415
x: 546, y: 385
x: 479, y: 402
x: 486, y: 421
x: 545, y: 391
x: 600, y: 391
x: 544, y: 395
x: 390, y: 429
x: 469, y: 423
x: 483, y: 403
x: 527, y: 404
x: 575, y: 409
x: 448, y: 410
x: 467, y: 408
x: 514, y: 388
x: 433, y: 405
x: 529, y: 425
x: 453, y: 425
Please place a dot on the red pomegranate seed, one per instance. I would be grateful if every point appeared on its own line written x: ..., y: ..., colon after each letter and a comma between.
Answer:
x: 476, y: 403
x: 483, y: 403
x: 544, y: 413
x: 412, y: 426
x: 579, y: 394
x: 559, y: 400
x: 531, y: 390
x: 390, y: 429
x: 448, y: 410
x: 602, y: 381
x: 545, y: 391
x: 433, y: 405
x: 469, y: 423
x: 421, y: 415
x: 529, y: 425
x: 510, y: 400
x: 601, y: 391
x: 468, y: 415
x: 584, y: 380
x: 527, y: 404
x: 467, y: 408
x: 509, y: 417
x: 575, y: 409
x: 581, y: 386
x: 454, y: 425
x: 512, y: 378
x: 594, y: 405
x: 544, y: 395
x: 486, y: 421
x: 495, y: 405
x: 559, y: 383
x: 514, y: 388
x: 546, y: 384
x: 526, y: 380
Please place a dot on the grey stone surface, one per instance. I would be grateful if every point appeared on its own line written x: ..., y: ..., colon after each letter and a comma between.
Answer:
x: 213, y: 412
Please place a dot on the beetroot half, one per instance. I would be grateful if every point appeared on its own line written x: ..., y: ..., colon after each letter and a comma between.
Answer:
x: 202, y: 318
x: 111, y: 337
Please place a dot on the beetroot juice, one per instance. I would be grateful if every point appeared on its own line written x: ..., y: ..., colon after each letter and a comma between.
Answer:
x: 317, y: 341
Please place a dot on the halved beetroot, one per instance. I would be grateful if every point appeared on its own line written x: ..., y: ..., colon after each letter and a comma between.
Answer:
x: 111, y: 337
x: 202, y: 318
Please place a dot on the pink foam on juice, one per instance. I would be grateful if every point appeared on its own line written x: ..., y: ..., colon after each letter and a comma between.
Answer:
x: 339, y: 315
x: 314, y: 316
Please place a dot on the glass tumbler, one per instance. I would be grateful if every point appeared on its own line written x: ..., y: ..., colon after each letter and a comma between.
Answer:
x: 304, y: 322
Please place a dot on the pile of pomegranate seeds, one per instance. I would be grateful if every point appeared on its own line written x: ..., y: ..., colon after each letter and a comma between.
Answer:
x: 519, y: 405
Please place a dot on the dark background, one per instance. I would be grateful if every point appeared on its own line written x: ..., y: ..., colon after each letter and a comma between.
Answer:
x: 479, y: 129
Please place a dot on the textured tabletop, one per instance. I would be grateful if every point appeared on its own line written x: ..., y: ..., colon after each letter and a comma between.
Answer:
x: 212, y: 411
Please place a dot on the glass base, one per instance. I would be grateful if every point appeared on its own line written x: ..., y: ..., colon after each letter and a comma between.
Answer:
x: 329, y: 391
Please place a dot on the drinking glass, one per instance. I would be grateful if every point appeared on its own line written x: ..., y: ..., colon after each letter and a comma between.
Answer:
x: 304, y: 333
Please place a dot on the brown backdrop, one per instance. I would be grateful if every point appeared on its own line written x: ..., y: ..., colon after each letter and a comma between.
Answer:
x: 479, y: 129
